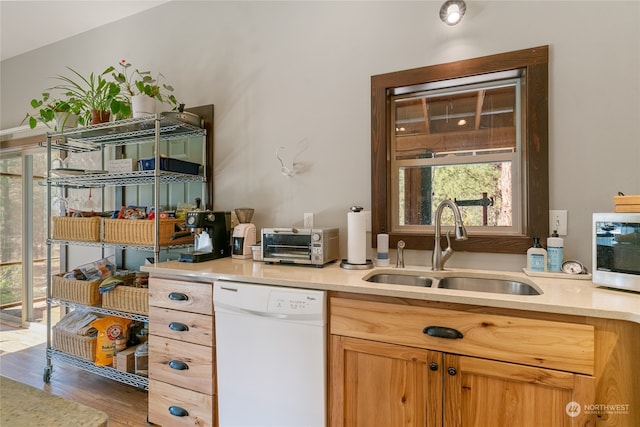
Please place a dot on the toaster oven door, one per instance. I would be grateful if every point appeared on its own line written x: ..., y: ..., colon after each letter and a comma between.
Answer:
x: 294, y: 248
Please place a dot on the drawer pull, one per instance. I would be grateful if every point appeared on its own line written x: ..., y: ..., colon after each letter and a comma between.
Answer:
x: 178, y: 365
x: 442, y: 332
x: 177, y: 411
x: 178, y: 327
x: 178, y: 296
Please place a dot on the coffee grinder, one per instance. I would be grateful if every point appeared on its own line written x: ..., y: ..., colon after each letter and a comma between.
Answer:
x: 244, y: 234
x: 217, y: 226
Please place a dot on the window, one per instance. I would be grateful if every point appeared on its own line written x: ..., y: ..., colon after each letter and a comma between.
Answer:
x: 14, y: 247
x: 431, y: 125
x: 460, y: 142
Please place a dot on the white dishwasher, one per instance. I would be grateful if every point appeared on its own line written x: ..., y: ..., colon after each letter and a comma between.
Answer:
x: 270, y: 355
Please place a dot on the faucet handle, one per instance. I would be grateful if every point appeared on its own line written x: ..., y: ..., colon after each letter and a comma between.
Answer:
x: 400, y: 259
x: 448, y: 239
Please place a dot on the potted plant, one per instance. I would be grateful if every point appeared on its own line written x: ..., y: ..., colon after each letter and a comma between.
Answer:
x: 143, y: 89
x: 98, y: 96
x: 47, y: 109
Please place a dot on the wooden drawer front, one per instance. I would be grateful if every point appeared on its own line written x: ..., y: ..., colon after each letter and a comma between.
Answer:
x: 163, y: 396
x: 181, y: 325
x: 192, y: 364
x: 543, y: 343
x: 177, y: 295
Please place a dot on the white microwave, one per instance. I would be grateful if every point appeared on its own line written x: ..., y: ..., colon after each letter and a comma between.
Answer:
x: 616, y: 250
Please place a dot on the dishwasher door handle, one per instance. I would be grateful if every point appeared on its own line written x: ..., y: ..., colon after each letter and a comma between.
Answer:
x: 263, y: 314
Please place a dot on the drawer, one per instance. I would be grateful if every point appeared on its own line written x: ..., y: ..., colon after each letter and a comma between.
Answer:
x: 542, y: 343
x: 183, y: 364
x: 181, y: 325
x: 197, y: 407
x: 178, y: 295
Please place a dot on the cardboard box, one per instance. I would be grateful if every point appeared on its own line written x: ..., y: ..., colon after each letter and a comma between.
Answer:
x: 122, y: 165
x: 126, y: 359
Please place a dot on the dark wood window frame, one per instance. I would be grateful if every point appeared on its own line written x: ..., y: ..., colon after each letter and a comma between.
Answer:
x: 534, y: 171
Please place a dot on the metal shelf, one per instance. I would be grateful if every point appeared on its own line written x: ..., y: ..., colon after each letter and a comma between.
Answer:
x: 116, y: 245
x: 126, y: 178
x: 151, y: 129
x: 122, y: 132
x: 105, y: 371
x: 101, y: 310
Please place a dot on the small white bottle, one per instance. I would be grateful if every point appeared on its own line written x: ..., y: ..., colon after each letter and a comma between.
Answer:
x: 555, y: 252
x: 382, y: 258
x: 536, y: 257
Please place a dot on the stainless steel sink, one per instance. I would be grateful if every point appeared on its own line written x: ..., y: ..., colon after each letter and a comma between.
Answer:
x: 472, y: 283
x: 482, y: 284
x: 401, y: 279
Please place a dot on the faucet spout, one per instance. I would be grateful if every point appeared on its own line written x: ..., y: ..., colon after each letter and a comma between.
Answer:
x: 439, y: 256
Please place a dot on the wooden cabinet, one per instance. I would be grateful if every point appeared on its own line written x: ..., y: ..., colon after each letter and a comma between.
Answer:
x: 499, y: 371
x: 381, y: 384
x: 182, y: 384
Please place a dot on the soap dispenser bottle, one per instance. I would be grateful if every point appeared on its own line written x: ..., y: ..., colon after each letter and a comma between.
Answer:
x: 536, y: 257
x: 555, y: 252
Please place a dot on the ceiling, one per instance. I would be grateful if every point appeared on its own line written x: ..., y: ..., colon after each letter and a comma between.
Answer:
x: 28, y: 25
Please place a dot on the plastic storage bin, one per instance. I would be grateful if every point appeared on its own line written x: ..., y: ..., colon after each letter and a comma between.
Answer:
x: 169, y: 164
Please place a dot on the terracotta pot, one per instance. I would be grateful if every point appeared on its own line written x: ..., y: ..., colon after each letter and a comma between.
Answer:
x: 99, y: 117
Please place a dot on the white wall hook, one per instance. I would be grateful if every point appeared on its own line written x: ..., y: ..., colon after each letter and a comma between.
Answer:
x: 296, y: 167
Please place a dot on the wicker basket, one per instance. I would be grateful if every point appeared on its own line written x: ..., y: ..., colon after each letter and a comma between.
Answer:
x: 141, y: 232
x: 80, y: 291
x: 71, y: 228
x: 78, y: 345
x: 127, y: 298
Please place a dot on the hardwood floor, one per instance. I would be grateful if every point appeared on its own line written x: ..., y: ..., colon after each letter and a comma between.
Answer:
x: 23, y: 358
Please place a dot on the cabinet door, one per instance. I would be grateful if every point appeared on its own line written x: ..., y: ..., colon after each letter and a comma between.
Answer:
x: 378, y: 384
x: 481, y: 392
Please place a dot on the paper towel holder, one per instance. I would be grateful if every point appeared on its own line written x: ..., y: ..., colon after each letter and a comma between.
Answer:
x: 350, y: 266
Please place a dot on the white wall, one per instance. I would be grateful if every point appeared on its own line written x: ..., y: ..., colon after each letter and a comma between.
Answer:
x: 297, y: 75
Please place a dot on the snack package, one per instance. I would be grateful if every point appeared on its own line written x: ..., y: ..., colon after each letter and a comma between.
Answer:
x: 109, y: 328
x: 96, y: 270
x: 183, y: 208
x: 132, y: 212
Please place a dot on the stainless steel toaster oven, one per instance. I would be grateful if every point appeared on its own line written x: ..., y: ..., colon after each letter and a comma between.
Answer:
x: 308, y: 246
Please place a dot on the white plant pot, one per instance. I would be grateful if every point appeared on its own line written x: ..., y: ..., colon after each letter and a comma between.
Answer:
x: 65, y: 120
x: 143, y: 105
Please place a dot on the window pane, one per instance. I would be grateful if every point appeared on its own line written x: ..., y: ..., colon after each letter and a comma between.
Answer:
x: 459, y: 144
x: 481, y: 190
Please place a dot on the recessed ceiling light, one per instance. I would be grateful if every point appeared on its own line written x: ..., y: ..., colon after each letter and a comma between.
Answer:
x: 452, y: 11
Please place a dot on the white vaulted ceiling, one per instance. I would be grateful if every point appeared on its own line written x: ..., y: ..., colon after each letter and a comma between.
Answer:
x: 27, y: 25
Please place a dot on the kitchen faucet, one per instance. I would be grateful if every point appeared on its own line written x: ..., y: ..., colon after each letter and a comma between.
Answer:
x: 440, y: 256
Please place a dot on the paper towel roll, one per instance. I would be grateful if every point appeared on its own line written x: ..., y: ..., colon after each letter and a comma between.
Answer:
x: 356, y: 238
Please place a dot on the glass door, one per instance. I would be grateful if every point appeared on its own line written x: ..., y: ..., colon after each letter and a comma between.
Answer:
x: 23, y: 243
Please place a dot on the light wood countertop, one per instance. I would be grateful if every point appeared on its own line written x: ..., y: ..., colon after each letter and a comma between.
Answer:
x: 562, y: 296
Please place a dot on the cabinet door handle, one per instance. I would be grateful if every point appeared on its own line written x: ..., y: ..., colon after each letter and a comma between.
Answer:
x: 442, y: 332
x: 178, y: 327
x: 177, y: 411
x: 451, y: 370
x: 178, y: 365
x: 178, y: 296
x: 433, y: 366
